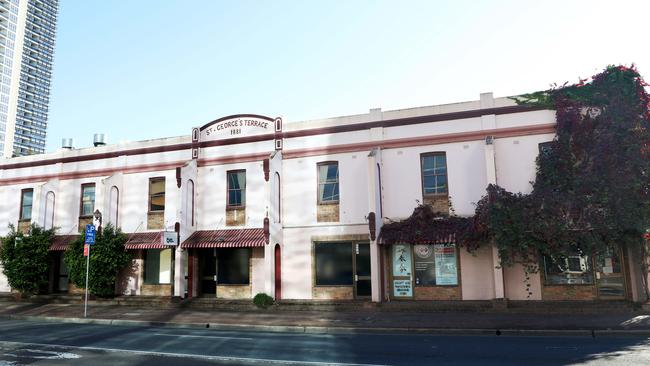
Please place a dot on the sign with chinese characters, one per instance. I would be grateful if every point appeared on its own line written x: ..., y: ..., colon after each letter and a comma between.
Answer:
x: 402, y: 276
x: 402, y: 260
x: 445, y: 258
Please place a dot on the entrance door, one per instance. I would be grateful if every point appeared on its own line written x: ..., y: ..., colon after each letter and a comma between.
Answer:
x: 62, y: 277
x: 610, y: 278
x: 362, y: 283
x: 278, y: 273
x: 208, y: 271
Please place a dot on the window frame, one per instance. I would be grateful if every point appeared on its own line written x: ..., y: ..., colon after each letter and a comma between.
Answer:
x: 21, y: 212
x: 589, y: 273
x: 228, y: 189
x: 434, y: 154
x: 149, y: 195
x: 318, y: 183
x: 146, y: 255
x: 249, y: 266
x: 81, y: 200
x: 351, y: 244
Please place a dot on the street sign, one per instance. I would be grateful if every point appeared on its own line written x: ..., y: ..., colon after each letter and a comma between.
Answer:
x: 170, y: 238
x: 86, y: 249
x: 90, y: 234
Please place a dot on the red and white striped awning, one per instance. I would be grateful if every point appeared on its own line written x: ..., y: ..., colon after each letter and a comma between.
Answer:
x: 61, y: 242
x: 232, y: 238
x: 147, y: 240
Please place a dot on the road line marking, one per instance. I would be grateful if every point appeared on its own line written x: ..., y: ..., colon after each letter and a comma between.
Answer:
x: 213, y: 358
x: 201, y: 336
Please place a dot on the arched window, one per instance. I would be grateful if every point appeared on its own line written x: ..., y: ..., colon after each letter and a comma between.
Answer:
x: 277, y: 199
x: 114, y: 206
x: 189, y: 203
x: 48, y: 219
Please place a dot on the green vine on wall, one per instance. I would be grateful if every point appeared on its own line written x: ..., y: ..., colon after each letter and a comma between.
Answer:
x: 592, y: 185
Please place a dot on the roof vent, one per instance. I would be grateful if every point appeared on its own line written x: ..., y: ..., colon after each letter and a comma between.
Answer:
x: 99, y: 139
x: 67, y: 143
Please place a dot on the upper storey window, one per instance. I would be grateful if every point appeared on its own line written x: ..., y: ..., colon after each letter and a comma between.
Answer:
x: 236, y: 188
x: 328, y: 182
x: 157, y: 194
x: 87, y: 199
x: 26, y: 199
x: 434, y: 174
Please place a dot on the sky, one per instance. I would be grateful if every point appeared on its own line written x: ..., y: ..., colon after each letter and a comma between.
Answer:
x: 145, y: 69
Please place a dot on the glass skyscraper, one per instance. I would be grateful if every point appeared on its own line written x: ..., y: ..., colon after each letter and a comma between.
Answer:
x: 27, y: 35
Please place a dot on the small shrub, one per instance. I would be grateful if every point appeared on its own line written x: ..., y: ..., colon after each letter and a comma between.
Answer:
x: 262, y: 300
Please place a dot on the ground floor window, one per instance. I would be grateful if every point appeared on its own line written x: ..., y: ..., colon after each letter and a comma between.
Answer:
x: 570, y: 270
x: 334, y: 264
x: 157, y: 266
x: 435, y: 265
x: 233, y: 266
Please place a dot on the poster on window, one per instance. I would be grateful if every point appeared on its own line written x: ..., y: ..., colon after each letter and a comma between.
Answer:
x: 425, y: 265
x: 402, y: 279
x: 402, y: 288
x: 402, y: 260
x: 445, y: 262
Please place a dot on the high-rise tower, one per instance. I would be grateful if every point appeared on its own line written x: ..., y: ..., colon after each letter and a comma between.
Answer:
x: 27, y: 34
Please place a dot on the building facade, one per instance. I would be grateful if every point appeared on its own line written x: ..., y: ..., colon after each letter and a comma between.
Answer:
x: 27, y: 34
x: 254, y: 204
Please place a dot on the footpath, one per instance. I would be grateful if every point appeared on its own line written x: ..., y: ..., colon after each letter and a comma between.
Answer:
x: 360, y: 320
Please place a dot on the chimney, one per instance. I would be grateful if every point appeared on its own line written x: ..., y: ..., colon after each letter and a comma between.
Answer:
x: 67, y: 143
x: 99, y: 139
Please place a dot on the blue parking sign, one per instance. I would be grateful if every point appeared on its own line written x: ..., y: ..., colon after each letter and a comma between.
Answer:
x: 90, y: 234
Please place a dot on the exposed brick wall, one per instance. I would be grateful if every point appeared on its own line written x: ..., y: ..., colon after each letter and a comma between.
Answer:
x: 156, y: 290
x: 436, y: 293
x: 333, y: 293
x: 327, y: 213
x: 236, y: 216
x: 439, y: 203
x: 155, y: 220
x: 569, y: 292
x: 83, y: 221
x: 23, y: 226
x: 234, y: 292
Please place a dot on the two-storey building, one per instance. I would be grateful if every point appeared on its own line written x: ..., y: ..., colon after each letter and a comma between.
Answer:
x: 295, y: 209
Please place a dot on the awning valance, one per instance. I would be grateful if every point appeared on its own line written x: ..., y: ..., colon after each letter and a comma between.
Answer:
x: 146, y: 240
x: 61, y: 242
x: 231, y: 238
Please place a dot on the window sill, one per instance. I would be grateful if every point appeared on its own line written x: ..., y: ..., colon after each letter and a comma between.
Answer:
x: 233, y: 208
x: 155, y: 212
x: 24, y: 220
x: 233, y: 284
x: 328, y: 203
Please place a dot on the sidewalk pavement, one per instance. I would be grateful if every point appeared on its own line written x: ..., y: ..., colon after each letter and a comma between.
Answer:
x: 359, y: 321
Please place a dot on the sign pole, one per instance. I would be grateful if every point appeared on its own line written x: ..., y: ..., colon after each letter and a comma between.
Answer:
x: 87, y: 271
x: 89, y: 240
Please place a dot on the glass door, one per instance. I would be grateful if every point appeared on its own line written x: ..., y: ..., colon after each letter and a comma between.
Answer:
x: 208, y: 271
x: 610, y: 277
x: 362, y: 283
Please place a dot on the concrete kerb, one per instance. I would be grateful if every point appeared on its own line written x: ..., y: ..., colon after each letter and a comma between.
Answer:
x: 341, y: 330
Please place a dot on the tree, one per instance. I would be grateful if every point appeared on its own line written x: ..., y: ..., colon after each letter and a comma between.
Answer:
x: 25, y: 258
x: 107, y: 258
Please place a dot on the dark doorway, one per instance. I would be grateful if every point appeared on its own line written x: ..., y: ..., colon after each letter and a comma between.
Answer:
x: 362, y: 266
x: 208, y: 271
x: 278, y: 273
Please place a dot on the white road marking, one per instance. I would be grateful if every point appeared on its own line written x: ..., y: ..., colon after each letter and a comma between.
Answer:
x: 44, y: 355
x: 200, y: 336
x: 213, y: 358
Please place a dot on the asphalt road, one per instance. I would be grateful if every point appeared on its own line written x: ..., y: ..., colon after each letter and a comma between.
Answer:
x: 49, y: 343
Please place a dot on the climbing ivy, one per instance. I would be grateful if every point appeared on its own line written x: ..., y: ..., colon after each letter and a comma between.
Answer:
x: 592, y: 185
